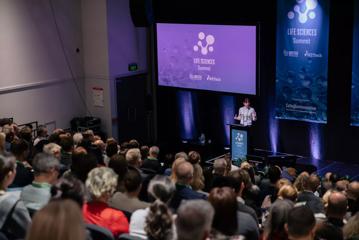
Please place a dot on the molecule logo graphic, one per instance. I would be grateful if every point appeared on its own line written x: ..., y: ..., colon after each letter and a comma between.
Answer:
x: 207, y: 47
x: 310, y: 5
x: 239, y: 137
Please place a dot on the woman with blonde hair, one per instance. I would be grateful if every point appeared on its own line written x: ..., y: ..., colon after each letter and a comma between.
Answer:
x: 288, y: 192
x: 59, y: 220
x: 198, y: 179
x: 298, y: 183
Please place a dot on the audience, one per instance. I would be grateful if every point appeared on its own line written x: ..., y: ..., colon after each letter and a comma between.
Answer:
x: 194, y: 220
x: 310, y: 185
x: 301, y: 224
x: 151, y: 162
x: 14, y: 218
x: 24, y: 173
x: 38, y: 193
x: 101, y: 184
x: 59, y: 220
x: 157, y: 206
x: 184, y: 191
x: 128, y: 201
x: 160, y: 191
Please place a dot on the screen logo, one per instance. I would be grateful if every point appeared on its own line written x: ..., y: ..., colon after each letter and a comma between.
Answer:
x: 204, y: 47
x: 304, y: 8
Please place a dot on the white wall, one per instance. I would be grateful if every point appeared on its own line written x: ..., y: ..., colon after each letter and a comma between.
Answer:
x: 35, y: 81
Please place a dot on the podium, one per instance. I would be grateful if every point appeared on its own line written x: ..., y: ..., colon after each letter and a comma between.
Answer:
x: 239, y: 141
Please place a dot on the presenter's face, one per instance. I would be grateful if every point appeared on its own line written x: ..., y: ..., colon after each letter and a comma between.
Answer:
x: 246, y: 104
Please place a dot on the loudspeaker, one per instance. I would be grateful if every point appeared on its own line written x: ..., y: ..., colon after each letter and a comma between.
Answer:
x: 141, y: 12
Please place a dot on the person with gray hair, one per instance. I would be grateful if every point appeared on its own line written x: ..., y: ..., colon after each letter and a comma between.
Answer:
x: 152, y: 163
x: 101, y: 184
x: 194, y: 220
x: 133, y: 157
x: 46, y: 171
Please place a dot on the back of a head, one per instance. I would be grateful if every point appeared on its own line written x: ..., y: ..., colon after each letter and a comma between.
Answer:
x: 161, y: 188
x: 43, y: 163
x: 237, y: 179
x: 278, y: 216
x: 133, y: 143
x: 58, y: 220
x: 274, y: 174
x: 159, y: 222
x: 220, y: 166
x: 19, y: 147
x: 194, y: 219
x: 119, y: 164
x: 301, y: 222
x: 144, y: 151
x: 184, y: 173
x: 82, y: 163
x: 41, y: 131
x: 26, y: 134
x: 7, y: 164
x: 69, y: 188
x: 337, y: 205
x: 194, y: 157
x: 224, y: 202
x: 133, y: 157
x: 353, y: 190
x: 311, y: 183
x: 132, y: 180
x: 66, y: 143
x: 288, y: 192
x: 77, y: 138
x: 101, y: 182
x: 327, y: 231
x: 181, y: 155
x: 111, y: 148
x: 154, y: 151
x: 52, y: 149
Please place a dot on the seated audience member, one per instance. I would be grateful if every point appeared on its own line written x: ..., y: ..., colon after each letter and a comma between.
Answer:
x: 160, y: 189
x: 353, y: 197
x: 288, y: 192
x: 310, y: 185
x: 184, y: 191
x: 172, y: 172
x: 301, y: 224
x: 15, y: 218
x: 69, y: 188
x: 351, y: 229
x: 337, y: 209
x: 151, y: 162
x: 88, y: 135
x: 111, y: 149
x: 274, y: 226
x: 77, y: 138
x: 101, y: 184
x: 342, y: 185
x: 46, y: 170
x: 82, y: 164
x: 60, y: 219
x: 26, y: 134
x: 128, y: 201
x: 219, y: 169
x: 2, y: 143
x: 250, y: 193
x: 118, y: 164
x: 298, y: 183
x: 67, y: 146
x: 238, y: 189
x: 133, y: 143
x: 328, y: 231
x: 53, y: 149
x: 289, y: 174
x: 24, y: 174
x: 182, y: 155
x: 194, y: 220
x: 133, y: 157
x: 268, y: 185
x: 145, y: 150
x: 198, y: 179
x: 41, y: 134
x: 228, y: 221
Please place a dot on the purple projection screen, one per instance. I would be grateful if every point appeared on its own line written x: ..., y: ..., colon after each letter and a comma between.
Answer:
x: 207, y: 57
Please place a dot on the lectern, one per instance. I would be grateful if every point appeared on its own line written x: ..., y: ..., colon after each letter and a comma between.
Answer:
x: 239, y: 140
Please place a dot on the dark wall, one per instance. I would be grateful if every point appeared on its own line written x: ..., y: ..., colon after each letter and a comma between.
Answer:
x: 337, y: 140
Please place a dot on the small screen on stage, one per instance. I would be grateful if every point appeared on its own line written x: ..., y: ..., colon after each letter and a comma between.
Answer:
x: 207, y: 57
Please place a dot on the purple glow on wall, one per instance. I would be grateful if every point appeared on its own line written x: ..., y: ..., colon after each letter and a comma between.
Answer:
x: 315, y: 142
x: 228, y: 111
x: 273, y: 133
x: 185, y: 108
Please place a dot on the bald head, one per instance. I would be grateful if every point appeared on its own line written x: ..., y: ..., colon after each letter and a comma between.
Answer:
x: 311, y: 183
x: 337, y: 205
x: 353, y: 190
x: 219, y: 166
x: 184, y: 173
